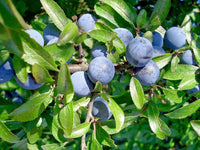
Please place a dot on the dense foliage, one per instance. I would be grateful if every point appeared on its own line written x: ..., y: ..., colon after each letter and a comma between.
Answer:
x: 101, y: 74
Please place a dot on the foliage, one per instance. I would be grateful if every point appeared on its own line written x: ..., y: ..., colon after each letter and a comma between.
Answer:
x: 161, y: 116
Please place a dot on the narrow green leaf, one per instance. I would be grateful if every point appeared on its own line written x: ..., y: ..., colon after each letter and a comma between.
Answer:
x: 83, y: 102
x: 4, y: 55
x: 116, y: 111
x: 66, y: 118
x: 148, y: 35
x: 57, y: 132
x: 196, y: 47
x: 102, y: 35
x: 41, y: 74
x: 64, y: 84
x: 34, y: 53
x: 184, y: 111
x: 60, y: 53
x: 156, y: 124
x: 174, y: 63
x: 69, y: 33
x: 103, y: 137
x: 188, y: 82
x: 161, y: 9
x: 141, y: 18
x: 26, y: 112
x: 7, y: 15
x: 80, y: 38
x: 154, y: 23
x: 162, y: 60
x: 11, y: 40
x: 174, y: 95
x: 196, y: 126
x: 119, y: 45
x: 56, y: 13
x: 125, y: 11
x: 137, y: 93
x: 7, y: 135
x: 51, y: 147
x: 102, y: 26
x: 32, y: 146
x: 34, y: 135
x: 93, y: 143
x: 110, y: 127
x: 181, y: 72
x: 20, y: 69
x: 79, y: 131
x: 98, y: 87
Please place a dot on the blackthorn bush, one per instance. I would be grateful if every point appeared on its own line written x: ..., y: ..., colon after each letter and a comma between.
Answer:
x: 86, y: 22
x: 101, y: 69
x: 50, y: 32
x: 124, y: 34
x: 149, y: 74
x: 6, y: 71
x: 175, y: 38
x: 157, y: 39
x: 139, y: 51
x: 81, y: 83
x: 100, y: 109
x: 36, y: 36
x: 30, y: 84
x: 187, y: 57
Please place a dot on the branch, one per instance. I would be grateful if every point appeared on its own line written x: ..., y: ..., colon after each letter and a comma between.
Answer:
x: 88, y: 117
x: 78, y: 67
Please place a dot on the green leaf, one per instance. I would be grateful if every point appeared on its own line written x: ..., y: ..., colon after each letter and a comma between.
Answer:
x: 116, y: 111
x: 161, y: 10
x: 181, y: 72
x: 56, y: 13
x: 119, y: 45
x: 26, y: 112
x: 110, y: 127
x: 102, y: 26
x: 66, y: 118
x: 55, y: 126
x: 79, y: 131
x: 20, y: 69
x: 103, y: 137
x: 174, y: 63
x: 174, y: 95
x: 148, y: 35
x: 32, y: 146
x: 137, y: 93
x: 125, y: 11
x: 64, y: 84
x: 11, y: 40
x: 7, y: 135
x: 51, y: 147
x: 141, y: 18
x: 5, y: 110
x: 34, y: 53
x: 9, y: 85
x: 69, y: 33
x: 83, y: 102
x: 102, y: 35
x: 11, y: 16
x: 80, y: 38
x: 184, y: 111
x: 93, y: 143
x: 60, y: 53
x: 195, y: 44
x: 109, y: 17
x: 157, y: 125
x: 4, y: 55
x: 188, y: 82
x: 162, y: 60
x: 41, y: 74
x: 154, y: 23
x: 196, y: 126
x: 98, y: 87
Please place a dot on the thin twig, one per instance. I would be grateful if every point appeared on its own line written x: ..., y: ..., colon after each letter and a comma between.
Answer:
x: 88, y: 118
